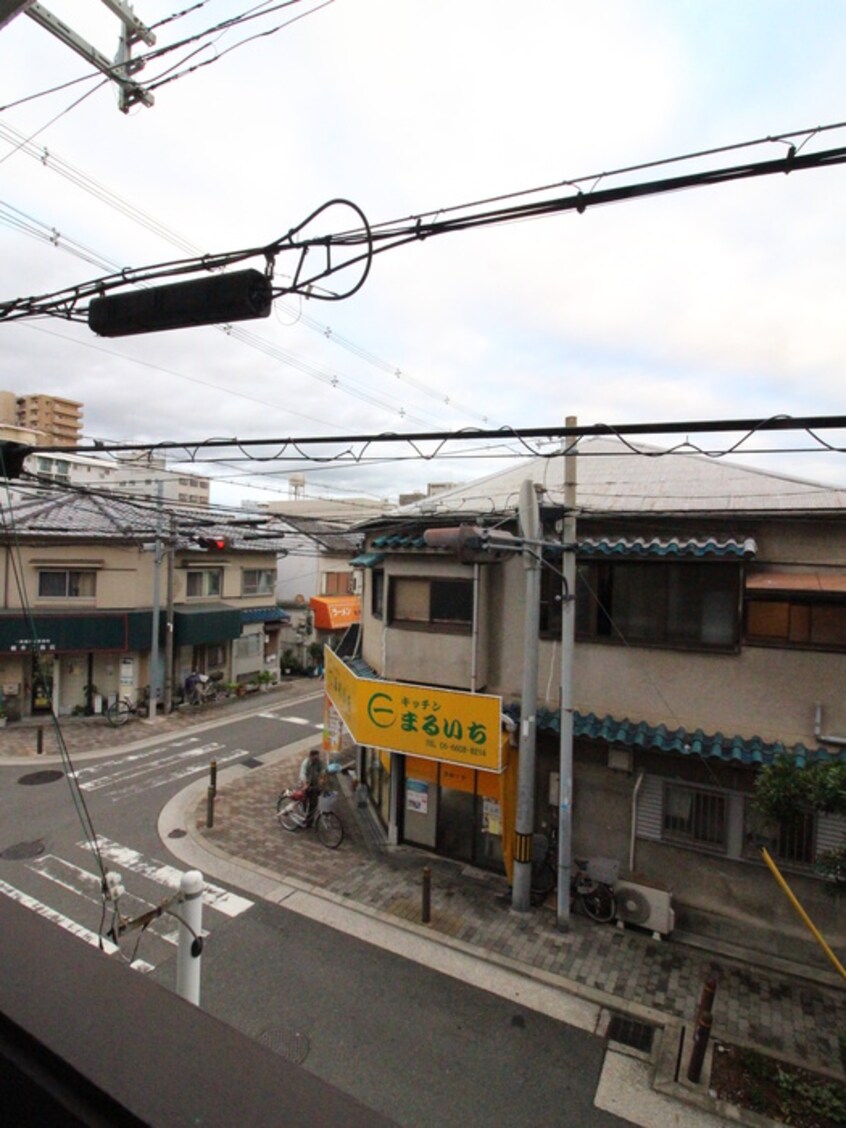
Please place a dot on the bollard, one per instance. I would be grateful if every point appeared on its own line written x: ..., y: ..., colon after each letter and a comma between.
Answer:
x: 700, y: 1044
x: 706, y: 999
x: 39, y: 740
x: 213, y: 775
x: 188, y: 953
x: 210, y: 794
x: 426, y: 913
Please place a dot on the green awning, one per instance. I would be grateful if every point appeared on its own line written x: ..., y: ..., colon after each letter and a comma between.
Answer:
x: 71, y: 633
x: 205, y: 623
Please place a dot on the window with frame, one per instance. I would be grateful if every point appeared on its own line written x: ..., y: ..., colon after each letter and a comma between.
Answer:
x: 338, y: 583
x: 377, y: 593
x: 695, y: 816
x: 791, y: 840
x: 444, y: 604
x: 204, y: 583
x: 803, y: 623
x: 659, y: 603
x: 67, y: 584
x: 258, y: 581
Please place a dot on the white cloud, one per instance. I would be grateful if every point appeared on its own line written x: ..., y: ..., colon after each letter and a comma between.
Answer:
x: 718, y: 302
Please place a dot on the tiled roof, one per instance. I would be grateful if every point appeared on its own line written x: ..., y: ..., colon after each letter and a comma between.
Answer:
x: 62, y: 515
x: 672, y: 546
x: 635, y: 479
x: 684, y: 742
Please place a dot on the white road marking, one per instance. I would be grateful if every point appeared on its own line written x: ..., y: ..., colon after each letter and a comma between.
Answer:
x: 124, y: 857
x: 57, y: 918
x: 87, y: 885
x: 292, y: 720
x: 136, y: 765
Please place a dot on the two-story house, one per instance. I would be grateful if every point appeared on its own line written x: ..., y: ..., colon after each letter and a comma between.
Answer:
x: 79, y: 584
x: 710, y: 637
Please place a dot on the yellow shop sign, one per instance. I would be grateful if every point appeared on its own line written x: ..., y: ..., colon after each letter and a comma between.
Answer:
x: 417, y: 720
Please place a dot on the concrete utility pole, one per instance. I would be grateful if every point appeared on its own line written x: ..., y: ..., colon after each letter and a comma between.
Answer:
x: 525, y: 817
x: 568, y: 642
x: 154, y: 635
x: 168, y: 662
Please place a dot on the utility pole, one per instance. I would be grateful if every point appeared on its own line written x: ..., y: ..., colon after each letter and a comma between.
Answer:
x: 154, y: 636
x: 525, y: 816
x: 568, y: 641
x: 168, y: 662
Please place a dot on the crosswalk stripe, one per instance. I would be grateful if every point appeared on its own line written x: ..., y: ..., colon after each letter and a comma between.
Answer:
x: 292, y: 720
x: 87, y: 885
x: 230, y: 904
x: 78, y: 930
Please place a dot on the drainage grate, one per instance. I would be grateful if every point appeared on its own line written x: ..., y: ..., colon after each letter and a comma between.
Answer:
x: 34, y: 778
x: 252, y: 762
x: 289, y: 1044
x: 23, y: 851
x: 629, y: 1032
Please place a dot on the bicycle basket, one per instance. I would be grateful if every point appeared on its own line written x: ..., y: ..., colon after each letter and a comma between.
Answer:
x: 328, y: 801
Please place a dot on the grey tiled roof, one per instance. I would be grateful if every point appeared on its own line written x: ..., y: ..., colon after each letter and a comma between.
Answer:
x: 627, y: 479
x: 64, y: 515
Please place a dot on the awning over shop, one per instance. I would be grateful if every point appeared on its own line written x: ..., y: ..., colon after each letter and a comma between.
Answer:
x: 264, y: 615
x: 684, y: 742
x: 687, y: 548
x: 209, y: 622
x: 828, y: 583
x: 104, y: 630
x: 334, y: 612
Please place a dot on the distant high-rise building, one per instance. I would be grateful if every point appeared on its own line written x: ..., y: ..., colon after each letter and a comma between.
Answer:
x: 59, y: 420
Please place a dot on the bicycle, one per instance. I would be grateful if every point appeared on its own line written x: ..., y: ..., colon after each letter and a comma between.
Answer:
x: 596, y: 898
x: 119, y: 712
x: 293, y: 815
x: 207, y: 690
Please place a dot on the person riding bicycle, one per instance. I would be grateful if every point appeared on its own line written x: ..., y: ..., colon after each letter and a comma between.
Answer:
x: 312, y: 778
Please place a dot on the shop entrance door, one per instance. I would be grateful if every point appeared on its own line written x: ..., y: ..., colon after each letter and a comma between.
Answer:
x: 42, y: 683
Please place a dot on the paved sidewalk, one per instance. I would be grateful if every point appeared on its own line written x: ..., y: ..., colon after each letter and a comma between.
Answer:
x: 626, y: 970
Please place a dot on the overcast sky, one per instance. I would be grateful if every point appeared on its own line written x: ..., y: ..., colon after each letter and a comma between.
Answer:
x: 719, y: 302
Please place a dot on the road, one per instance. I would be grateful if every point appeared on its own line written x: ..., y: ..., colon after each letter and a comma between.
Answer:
x: 404, y: 1039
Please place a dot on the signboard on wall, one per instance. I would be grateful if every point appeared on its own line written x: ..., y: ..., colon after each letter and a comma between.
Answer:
x: 418, y: 720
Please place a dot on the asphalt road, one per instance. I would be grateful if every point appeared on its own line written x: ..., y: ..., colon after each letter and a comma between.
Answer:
x: 420, y: 1047
x: 407, y: 1041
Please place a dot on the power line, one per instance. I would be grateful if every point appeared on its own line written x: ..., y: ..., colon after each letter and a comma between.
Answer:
x: 71, y: 302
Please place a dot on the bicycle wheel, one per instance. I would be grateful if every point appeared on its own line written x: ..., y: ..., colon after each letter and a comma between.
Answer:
x: 543, y: 880
x: 599, y: 903
x: 330, y: 830
x: 285, y: 813
x: 118, y: 713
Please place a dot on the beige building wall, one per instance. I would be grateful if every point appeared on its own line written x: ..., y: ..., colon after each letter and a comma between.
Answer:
x: 59, y: 419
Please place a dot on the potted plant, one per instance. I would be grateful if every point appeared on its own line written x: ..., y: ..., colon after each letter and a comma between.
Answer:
x: 265, y: 677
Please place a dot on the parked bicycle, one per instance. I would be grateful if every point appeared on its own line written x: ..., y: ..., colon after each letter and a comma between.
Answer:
x: 203, y: 689
x: 595, y: 898
x: 294, y: 814
x: 120, y: 711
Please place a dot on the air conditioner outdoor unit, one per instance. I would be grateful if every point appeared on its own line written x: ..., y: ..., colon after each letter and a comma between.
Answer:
x: 646, y: 906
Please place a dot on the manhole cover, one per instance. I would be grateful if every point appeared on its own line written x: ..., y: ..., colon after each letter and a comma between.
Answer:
x: 252, y: 762
x: 628, y: 1032
x: 289, y: 1044
x: 22, y: 851
x: 34, y: 778
x: 177, y: 834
